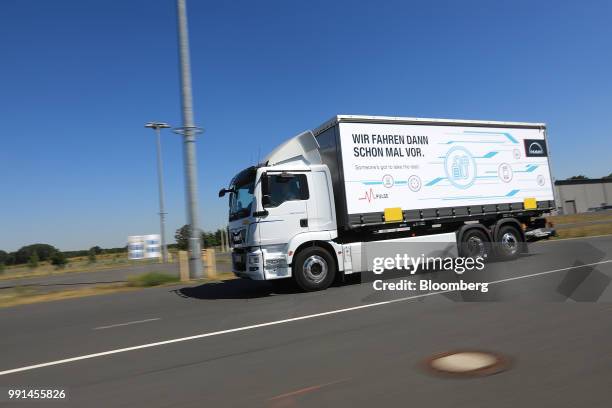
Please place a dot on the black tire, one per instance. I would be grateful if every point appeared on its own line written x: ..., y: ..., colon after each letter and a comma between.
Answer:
x: 313, y: 269
x: 474, y: 243
x: 509, y: 242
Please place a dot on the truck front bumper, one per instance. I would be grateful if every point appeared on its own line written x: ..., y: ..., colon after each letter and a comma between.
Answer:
x: 260, y: 264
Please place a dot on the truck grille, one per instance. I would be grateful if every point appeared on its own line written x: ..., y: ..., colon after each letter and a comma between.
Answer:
x: 239, y: 259
x: 238, y: 237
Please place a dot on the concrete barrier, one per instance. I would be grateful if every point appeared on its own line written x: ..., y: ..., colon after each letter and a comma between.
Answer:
x: 210, y: 262
x: 183, y: 265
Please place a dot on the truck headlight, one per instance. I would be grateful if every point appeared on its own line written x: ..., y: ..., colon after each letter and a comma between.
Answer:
x: 253, y: 259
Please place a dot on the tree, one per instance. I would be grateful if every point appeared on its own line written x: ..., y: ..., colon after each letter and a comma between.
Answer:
x: 96, y: 249
x: 10, y: 259
x: 182, y: 237
x: 91, y: 255
x: 59, y: 260
x: 3, y: 256
x: 209, y: 239
x: 609, y: 176
x: 33, y: 260
x: 43, y: 251
x: 578, y: 177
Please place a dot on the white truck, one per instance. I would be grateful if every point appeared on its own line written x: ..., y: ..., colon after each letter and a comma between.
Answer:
x: 326, y: 201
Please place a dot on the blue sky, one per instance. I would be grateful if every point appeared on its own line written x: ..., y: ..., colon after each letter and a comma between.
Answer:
x: 80, y: 78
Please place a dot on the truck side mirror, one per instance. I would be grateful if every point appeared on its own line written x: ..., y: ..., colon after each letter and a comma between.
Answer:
x: 225, y: 190
x: 265, y: 200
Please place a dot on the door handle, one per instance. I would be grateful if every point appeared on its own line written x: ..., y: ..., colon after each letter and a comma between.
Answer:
x: 304, y: 222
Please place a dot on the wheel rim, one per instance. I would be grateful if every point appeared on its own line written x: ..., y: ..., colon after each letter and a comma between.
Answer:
x: 509, y: 243
x: 475, y: 247
x: 315, y: 269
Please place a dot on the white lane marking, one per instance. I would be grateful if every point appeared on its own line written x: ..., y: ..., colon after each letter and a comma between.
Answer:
x: 127, y: 323
x: 277, y: 322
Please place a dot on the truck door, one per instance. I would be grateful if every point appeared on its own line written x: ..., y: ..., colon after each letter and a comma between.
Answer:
x: 284, y: 197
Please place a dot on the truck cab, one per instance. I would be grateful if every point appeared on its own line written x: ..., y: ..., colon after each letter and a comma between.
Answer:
x: 276, y: 207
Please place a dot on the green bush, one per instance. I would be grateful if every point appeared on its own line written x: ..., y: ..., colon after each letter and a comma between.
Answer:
x: 33, y: 260
x: 91, y: 255
x: 151, y: 279
x: 59, y: 260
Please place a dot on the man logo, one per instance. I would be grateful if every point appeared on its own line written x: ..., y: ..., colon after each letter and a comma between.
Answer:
x: 535, y: 148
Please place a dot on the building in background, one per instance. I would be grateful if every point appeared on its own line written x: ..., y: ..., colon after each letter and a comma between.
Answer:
x: 583, y: 195
x: 144, y: 246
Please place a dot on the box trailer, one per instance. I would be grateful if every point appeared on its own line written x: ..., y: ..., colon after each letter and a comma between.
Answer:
x: 328, y: 200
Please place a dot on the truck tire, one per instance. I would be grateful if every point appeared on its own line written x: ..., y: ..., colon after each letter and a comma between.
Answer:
x: 313, y: 269
x: 509, y: 242
x: 474, y: 243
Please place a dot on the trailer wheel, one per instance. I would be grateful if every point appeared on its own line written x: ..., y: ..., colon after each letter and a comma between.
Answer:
x: 509, y: 242
x: 313, y: 269
x: 474, y: 244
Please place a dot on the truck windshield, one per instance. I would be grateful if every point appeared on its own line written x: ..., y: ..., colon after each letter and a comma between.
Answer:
x: 241, y: 199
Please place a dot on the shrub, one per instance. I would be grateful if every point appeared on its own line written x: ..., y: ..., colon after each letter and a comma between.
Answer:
x: 151, y: 279
x: 33, y: 260
x: 91, y: 256
x: 59, y: 260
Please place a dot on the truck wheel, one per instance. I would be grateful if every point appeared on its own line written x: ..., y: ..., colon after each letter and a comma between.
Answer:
x: 474, y: 244
x: 313, y: 269
x: 509, y: 242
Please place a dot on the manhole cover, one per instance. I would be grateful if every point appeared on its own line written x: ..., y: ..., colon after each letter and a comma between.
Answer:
x: 467, y: 363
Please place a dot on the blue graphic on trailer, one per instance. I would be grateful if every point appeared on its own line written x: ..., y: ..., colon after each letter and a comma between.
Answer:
x: 528, y: 168
x: 434, y: 181
x: 506, y: 134
x: 488, y: 155
x: 460, y: 167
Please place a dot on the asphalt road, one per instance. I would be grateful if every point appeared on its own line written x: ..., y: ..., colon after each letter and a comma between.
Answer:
x: 240, y: 344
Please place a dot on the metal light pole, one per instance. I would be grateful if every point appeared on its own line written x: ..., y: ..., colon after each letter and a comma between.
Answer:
x: 160, y: 180
x: 189, y: 131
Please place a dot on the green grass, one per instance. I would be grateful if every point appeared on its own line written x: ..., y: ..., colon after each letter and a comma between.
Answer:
x: 583, y: 217
x: 76, y: 264
x: 585, y: 231
x: 582, y: 225
x: 151, y: 279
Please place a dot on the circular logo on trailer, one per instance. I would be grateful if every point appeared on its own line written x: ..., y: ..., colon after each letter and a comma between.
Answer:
x: 414, y: 183
x: 540, y: 180
x: 504, y: 172
x: 388, y: 180
x: 460, y: 167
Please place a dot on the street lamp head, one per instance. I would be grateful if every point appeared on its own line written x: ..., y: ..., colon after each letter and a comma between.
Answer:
x: 157, y: 125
